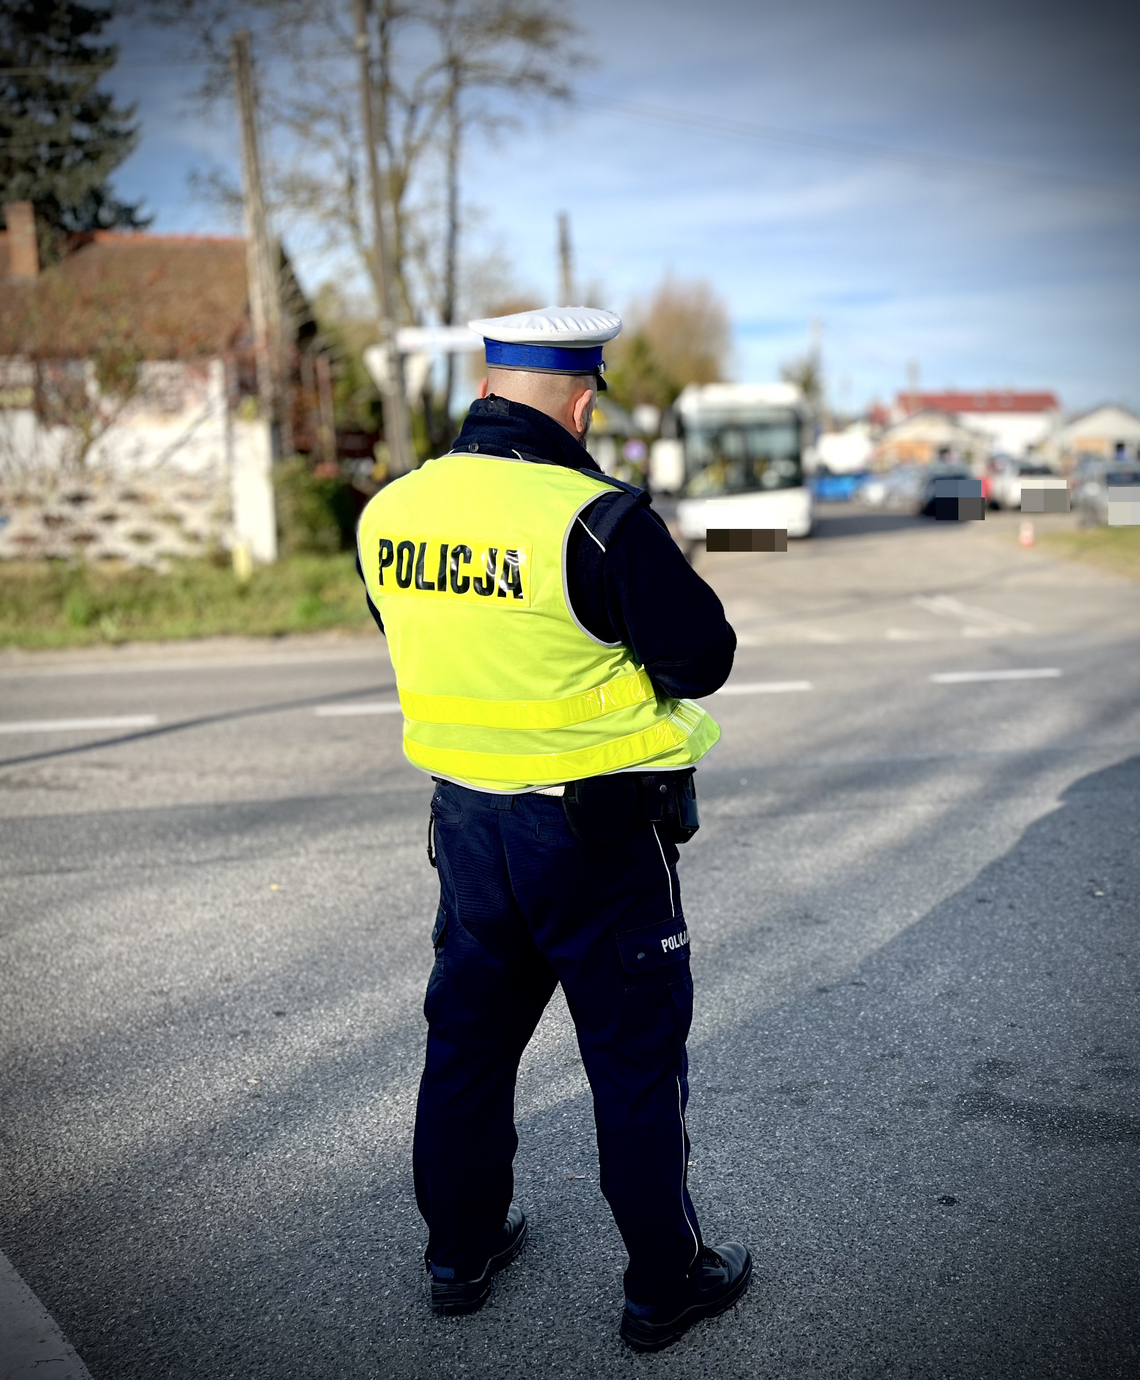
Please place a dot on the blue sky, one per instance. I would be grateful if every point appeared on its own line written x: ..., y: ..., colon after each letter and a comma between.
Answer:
x: 1002, y: 255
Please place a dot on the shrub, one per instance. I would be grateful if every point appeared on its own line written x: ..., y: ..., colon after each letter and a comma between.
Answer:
x: 314, y: 516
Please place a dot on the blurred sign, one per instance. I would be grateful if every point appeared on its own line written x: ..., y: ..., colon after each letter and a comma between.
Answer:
x: 416, y: 369
x: 437, y: 340
x: 667, y: 466
x: 378, y: 364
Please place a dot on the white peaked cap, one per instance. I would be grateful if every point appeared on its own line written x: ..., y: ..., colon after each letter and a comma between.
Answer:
x: 559, y: 326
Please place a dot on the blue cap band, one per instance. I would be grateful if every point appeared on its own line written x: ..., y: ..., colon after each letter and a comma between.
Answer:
x: 549, y: 357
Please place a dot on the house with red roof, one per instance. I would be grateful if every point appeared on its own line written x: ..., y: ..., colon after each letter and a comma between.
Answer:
x: 1014, y: 423
x: 129, y: 417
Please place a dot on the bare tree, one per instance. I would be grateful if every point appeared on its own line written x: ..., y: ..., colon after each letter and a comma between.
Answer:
x: 441, y: 70
x: 806, y: 372
x: 680, y: 335
x: 517, y: 46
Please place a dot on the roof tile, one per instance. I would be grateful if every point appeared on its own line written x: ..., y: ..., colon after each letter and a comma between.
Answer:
x: 167, y: 297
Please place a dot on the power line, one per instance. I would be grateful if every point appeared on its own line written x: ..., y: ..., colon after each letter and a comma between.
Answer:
x: 742, y: 129
x: 824, y: 143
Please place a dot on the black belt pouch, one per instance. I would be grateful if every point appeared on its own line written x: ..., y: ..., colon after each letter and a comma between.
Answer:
x: 603, y: 811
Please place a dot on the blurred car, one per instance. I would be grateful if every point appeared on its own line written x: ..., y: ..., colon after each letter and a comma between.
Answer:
x: 1005, y: 481
x: 872, y: 491
x: 894, y: 489
x: 836, y: 488
x: 924, y: 499
x: 1093, y: 485
x: 997, y: 466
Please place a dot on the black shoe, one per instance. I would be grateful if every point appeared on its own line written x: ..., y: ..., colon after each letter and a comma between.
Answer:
x: 718, y: 1279
x: 451, y: 1296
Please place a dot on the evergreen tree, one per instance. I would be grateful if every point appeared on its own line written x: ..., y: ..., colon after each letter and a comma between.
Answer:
x: 60, y: 137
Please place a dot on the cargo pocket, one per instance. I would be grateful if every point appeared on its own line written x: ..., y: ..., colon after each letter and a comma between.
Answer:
x: 654, y: 946
x: 654, y: 1022
x: 657, y: 1004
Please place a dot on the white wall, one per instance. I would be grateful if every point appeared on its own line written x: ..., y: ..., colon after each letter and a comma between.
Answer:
x: 1109, y: 424
x: 253, y: 512
x: 175, y: 436
x: 1011, y: 433
x: 179, y: 421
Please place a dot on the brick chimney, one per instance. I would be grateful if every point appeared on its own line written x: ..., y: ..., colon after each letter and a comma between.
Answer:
x: 23, y: 250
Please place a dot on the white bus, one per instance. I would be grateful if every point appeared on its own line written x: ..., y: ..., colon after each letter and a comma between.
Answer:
x: 739, y: 462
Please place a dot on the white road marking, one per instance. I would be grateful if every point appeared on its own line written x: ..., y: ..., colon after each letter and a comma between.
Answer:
x: 1023, y: 673
x: 346, y: 711
x: 80, y: 725
x: 825, y: 636
x: 139, y: 658
x: 946, y: 607
x: 764, y: 687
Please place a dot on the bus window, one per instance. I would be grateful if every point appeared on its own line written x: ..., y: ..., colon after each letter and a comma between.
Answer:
x: 736, y: 458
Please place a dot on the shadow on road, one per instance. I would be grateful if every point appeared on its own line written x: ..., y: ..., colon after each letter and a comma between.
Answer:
x: 835, y: 520
x: 254, y: 711
x: 934, y: 1161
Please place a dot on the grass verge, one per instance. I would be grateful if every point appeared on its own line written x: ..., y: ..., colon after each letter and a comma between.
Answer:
x: 1112, y: 548
x: 60, y: 604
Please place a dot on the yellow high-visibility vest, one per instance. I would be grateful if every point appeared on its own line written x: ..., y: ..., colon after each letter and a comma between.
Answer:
x: 501, y: 688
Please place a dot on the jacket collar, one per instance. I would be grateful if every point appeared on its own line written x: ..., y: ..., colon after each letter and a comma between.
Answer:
x: 497, y: 426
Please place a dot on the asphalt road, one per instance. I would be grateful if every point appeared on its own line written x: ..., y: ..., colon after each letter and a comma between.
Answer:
x: 915, y: 1059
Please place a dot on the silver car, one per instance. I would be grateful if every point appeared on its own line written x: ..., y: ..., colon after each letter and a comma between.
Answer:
x: 895, y: 489
x: 1100, y: 485
x: 1005, y: 483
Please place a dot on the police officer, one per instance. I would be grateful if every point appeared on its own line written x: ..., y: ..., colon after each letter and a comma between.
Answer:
x: 547, y: 635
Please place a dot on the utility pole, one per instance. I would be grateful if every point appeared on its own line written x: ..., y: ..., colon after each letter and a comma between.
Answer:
x: 913, y: 384
x: 565, y: 261
x: 815, y: 357
x: 815, y: 330
x: 396, y: 430
x: 264, y: 289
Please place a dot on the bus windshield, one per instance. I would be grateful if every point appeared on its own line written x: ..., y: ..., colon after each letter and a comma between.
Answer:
x: 739, y: 457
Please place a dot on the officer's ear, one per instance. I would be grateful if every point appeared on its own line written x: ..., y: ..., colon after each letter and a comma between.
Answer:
x: 481, y: 391
x: 582, y: 410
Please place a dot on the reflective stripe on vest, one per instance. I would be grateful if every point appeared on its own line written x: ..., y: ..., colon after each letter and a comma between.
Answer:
x: 619, y: 693
x: 617, y: 754
x: 499, y: 685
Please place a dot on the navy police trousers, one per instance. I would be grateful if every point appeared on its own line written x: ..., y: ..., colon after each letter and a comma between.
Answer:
x: 524, y: 905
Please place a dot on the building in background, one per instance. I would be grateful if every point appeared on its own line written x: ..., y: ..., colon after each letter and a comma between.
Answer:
x: 929, y: 436
x: 130, y: 425
x: 1014, y: 423
x: 1108, y: 432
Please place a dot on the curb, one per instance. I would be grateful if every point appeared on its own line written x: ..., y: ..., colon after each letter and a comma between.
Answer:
x: 30, y: 1342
